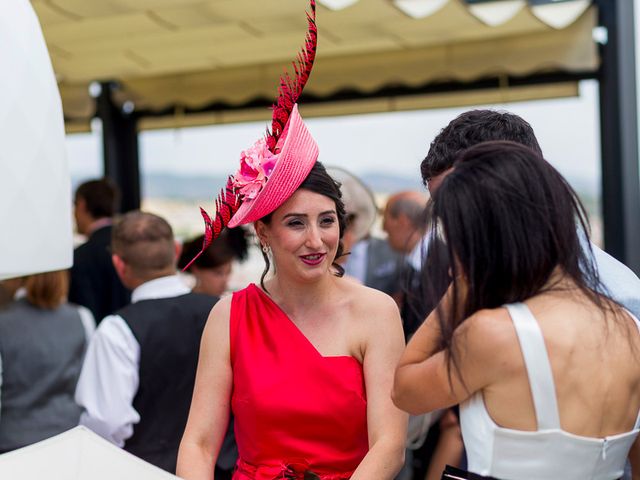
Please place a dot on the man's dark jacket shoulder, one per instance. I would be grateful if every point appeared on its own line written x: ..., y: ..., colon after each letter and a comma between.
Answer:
x: 94, y: 281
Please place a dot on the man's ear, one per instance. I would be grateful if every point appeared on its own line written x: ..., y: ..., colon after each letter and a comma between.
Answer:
x: 119, y: 264
x: 80, y: 204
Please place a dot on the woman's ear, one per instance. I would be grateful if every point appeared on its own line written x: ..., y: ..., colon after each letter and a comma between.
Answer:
x: 261, y: 232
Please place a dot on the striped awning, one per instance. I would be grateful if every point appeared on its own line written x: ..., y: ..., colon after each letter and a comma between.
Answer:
x: 187, y: 54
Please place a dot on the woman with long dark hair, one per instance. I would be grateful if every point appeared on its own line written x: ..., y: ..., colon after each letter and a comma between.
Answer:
x: 543, y: 364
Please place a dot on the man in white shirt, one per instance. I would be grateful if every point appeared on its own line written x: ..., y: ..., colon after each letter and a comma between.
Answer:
x: 137, y: 379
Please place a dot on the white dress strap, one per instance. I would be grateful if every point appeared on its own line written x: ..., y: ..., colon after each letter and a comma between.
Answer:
x: 536, y: 361
x: 635, y: 319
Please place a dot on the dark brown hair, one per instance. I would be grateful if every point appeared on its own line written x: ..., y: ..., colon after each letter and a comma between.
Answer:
x: 100, y: 196
x: 230, y: 245
x: 509, y: 220
x: 469, y: 129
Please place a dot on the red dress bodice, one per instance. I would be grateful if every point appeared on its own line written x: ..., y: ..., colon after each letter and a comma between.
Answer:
x: 295, y: 410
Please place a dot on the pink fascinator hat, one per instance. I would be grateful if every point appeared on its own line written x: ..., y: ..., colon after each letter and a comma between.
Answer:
x: 273, y: 168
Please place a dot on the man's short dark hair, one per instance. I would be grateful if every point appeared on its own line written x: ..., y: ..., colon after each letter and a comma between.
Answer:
x: 100, y: 197
x: 469, y: 129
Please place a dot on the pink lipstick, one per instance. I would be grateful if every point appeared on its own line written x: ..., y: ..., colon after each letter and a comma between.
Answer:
x: 313, y: 259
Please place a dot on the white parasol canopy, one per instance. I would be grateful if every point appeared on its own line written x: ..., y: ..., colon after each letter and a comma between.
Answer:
x: 77, y: 454
x: 35, y: 197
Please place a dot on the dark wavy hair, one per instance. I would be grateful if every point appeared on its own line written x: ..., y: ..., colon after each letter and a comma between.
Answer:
x: 509, y: 219
x: 318, y: 181
x: 469, y: 129
x: 230, y: 245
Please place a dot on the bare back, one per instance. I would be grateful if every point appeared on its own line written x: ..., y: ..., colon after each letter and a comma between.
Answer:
x: 594, y: 358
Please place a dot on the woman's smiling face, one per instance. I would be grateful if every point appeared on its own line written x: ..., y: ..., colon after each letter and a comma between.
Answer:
x: 303, y: 235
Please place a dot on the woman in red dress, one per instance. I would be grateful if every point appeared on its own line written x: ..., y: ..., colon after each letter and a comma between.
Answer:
x: 305, y: 360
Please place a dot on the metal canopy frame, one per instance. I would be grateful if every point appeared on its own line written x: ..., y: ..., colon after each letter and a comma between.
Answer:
x: 618, y: 127
x: 619, y: 133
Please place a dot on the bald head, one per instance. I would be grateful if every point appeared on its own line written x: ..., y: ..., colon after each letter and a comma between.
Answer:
x: 409, y: 203
x: 405, y: 219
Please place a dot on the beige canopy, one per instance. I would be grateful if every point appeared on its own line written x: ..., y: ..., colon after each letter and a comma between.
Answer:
x: 193, y: 53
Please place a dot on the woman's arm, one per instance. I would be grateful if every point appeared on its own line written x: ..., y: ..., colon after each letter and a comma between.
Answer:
x: 387, y: 425
x: 422, y: 382
x: 210, y: 406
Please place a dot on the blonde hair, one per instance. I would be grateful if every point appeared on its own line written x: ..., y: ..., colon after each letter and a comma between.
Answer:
x: 47, y: 290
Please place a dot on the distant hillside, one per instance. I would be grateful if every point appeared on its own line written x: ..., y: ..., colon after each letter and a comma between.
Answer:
x: 194, y: 187
x: 385, y: 183
x: 188, y: 187
x: 164, y: 185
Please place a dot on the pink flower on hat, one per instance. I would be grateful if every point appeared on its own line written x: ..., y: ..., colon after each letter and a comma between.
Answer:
x: 256, y: 165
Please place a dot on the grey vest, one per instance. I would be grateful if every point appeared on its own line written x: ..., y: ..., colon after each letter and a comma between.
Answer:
x: 41, y: 352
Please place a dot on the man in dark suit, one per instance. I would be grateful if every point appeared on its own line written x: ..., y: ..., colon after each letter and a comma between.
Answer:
x: 405, y: 221
x: 94, y: 282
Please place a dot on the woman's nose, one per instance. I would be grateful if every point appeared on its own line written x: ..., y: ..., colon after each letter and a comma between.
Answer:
x: 314, y: 239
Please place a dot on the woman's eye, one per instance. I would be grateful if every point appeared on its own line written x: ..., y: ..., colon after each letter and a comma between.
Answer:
x: 327, y: 221
x: 294, y: 223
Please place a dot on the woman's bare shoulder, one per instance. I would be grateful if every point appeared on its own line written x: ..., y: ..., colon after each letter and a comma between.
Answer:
x: 367, y: 297
x: 219, y: 317
x: 222, y: 307
x: 485, y: 333
x: 488, y: 323
x: 369, y: 304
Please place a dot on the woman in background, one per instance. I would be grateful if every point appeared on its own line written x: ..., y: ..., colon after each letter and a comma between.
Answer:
x: 42, y: 344
x: 544, y: 366
x: 213, y: 268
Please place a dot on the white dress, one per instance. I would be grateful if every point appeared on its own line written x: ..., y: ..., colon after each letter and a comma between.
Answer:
x: 549, y: 452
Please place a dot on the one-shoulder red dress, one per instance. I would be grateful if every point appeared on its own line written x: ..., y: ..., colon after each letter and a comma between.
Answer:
x: 297, y: 413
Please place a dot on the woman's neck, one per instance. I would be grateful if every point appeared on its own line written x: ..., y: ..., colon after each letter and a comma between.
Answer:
x: 295, y: 297
x: 559, y: 280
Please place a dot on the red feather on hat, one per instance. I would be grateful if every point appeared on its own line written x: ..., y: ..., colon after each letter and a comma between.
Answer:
x: 290, y: 89
x: 228, y: 202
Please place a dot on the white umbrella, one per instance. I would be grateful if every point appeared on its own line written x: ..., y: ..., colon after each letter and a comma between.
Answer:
x: 77, y: 454
x: 35, y: 196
